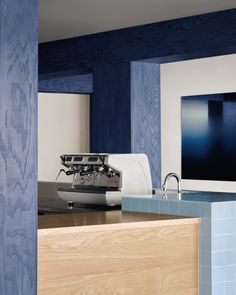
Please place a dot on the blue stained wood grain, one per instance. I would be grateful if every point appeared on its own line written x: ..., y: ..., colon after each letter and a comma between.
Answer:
x: 18, y: 146
x: 145, y: 115
x: 190, y: 37
x: 67, y: 84
x: 110, y: 109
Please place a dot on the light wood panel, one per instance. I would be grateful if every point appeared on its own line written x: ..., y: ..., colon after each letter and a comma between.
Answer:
x: 141, y: 258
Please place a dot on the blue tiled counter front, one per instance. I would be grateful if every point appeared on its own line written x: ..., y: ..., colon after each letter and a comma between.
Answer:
x: 217, y: 233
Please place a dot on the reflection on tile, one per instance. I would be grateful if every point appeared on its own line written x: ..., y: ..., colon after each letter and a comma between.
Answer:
x: 154, y: 206
x: 230, y: 288
x: 136, y: 205
x: 218, y: 275
x: 205, y: 258
x: 145, y: 206
x: 164, y: 206
x: 230, y: 273
x: 205, y: 289
x: 219, y: 289
x: 218, y: 258
x: 126, y: 204
x: 173, y: 208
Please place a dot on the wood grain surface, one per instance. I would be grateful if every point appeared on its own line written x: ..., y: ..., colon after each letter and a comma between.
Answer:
x: 146, y: 115
x: 68, y: 84
x: 18, y: 146
x: 189, y: 37
x: 110, y: 109
x: 148, y: 260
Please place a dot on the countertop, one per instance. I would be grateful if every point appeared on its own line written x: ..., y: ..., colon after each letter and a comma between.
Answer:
x: 193, y: 196
x: 50, y: 203
x: 108, y: 218
x: 217, y: 247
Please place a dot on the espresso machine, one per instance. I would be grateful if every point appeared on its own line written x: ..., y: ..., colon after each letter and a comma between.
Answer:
x: 102, y: 179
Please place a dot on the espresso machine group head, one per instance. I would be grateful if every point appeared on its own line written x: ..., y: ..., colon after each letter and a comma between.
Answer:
x: 102, y: 179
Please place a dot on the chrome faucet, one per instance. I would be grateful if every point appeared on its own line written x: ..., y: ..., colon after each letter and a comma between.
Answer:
x: 168, y: 176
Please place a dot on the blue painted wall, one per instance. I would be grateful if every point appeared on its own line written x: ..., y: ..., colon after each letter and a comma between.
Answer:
x: 18, y: 146
x: 67, y: 84
x: 145, y: 115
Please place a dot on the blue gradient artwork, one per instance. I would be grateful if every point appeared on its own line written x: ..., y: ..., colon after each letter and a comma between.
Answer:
x: 208, y: 124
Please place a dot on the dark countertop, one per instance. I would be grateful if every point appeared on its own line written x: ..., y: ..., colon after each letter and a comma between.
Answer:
x: 108, y: 218
x: 50, y: 203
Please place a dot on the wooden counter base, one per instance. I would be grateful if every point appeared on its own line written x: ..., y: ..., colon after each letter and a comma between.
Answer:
x: 147, y: 257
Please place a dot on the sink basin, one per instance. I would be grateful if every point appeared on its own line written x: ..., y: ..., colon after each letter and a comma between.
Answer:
x: 171, y: 191
x: 170, y: 194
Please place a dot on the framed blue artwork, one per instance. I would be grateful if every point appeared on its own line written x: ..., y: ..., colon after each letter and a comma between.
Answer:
x: 208, y: 126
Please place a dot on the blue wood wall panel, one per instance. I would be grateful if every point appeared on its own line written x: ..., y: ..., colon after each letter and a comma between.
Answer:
x: 145, y: 115
x: 110, y: 109
x: 68, y: 84
x: 190, y: 37
x: 18, y: 146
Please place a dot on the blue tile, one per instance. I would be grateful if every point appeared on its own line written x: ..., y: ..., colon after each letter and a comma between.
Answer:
x: 205, y: 274
x: 205, y: 289
x: 218, y: 242
x: 126, y: 204
x: 195, y: 210
x: 229, y: 241
x: 205, y: 242
x: 218, y: 275
x: 205, y: 226
x: 205, y: 258
x: 206, y: 210
x: 229, y: 226
x: 164, y: 207
x: 145, y: 205
x: 217, y: 210
x: 230, y: 257
x: 184, y: 208
x: 218, y: 258
x: 229, y: 210
x: 230, y: 288
x: 218, y: 227
x: 233, y: 241
x: 173, y: 208
x: 230, y: 273
x: 154, y: 206
x: 218, y: 289
x: 135, y: 204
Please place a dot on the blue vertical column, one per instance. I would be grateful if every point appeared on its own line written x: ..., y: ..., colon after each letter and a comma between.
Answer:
x: 18, y: 146
x: 145, y: 115
x: 125, y: 111
x: 110, y: 109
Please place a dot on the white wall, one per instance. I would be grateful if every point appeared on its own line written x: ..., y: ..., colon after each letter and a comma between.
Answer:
x: 200, y: 76
x: 63, y: 127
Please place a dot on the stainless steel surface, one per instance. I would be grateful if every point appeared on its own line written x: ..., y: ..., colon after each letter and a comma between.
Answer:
x: 168, y: 176
x: 90, y: 170
x: 50, y: 203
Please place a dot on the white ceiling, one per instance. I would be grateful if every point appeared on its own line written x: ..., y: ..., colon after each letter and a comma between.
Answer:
x: 60, y: 19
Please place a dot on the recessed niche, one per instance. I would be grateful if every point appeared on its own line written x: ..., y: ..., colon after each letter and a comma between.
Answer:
x: 208, y: 127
